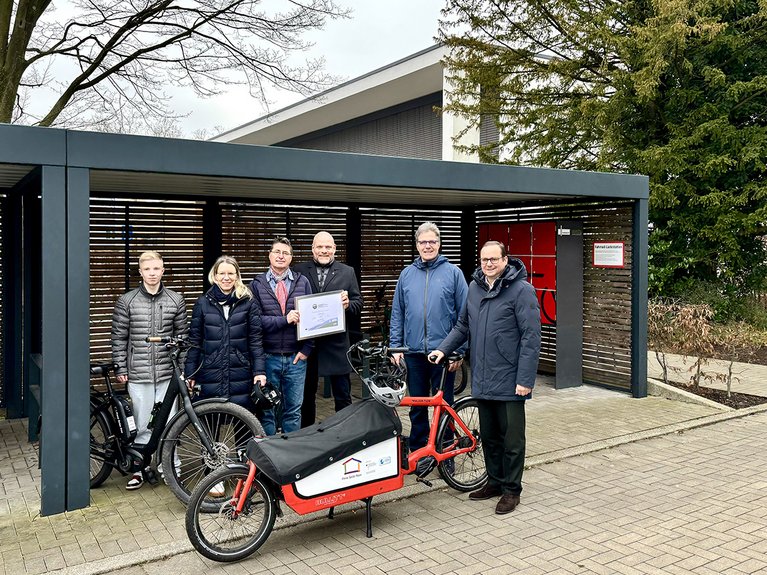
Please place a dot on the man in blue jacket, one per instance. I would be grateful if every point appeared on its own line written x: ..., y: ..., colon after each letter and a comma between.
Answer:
x: 427, y: 300
x: 275, y: 291
x: 502, y: 321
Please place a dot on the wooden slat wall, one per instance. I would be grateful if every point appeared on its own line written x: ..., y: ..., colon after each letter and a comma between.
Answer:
x: 607, y: 292
x: 123, y: 228
x: 248, y: 230
x: 388, y: 245
x: 175, y: 229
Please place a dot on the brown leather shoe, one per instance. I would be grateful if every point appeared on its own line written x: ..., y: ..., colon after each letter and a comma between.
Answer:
x: 485, y: 493
x: 507, y: 504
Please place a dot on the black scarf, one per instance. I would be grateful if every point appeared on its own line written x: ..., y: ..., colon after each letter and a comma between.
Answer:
x: 223, y: 298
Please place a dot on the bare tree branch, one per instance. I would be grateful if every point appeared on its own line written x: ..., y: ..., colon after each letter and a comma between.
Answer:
x: 130, y: 49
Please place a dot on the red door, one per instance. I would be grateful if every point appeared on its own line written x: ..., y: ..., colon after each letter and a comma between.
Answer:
x: 535, y: 245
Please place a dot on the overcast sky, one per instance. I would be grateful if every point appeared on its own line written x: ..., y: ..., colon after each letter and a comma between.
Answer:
x: 377, y: 34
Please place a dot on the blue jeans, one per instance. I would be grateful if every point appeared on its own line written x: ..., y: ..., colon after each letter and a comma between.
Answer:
x: 423, y: 378
x: 289, y: 380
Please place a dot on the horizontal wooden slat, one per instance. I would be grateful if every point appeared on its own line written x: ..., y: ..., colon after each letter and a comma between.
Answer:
x: 131, y: 226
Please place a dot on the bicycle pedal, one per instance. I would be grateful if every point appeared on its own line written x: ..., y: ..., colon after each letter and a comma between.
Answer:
x: 423, y: 480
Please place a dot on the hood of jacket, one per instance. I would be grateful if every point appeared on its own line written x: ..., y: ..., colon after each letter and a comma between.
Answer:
x: 515, y: 270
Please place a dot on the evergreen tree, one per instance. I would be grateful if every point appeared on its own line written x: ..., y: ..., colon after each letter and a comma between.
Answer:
x: 675, y: 89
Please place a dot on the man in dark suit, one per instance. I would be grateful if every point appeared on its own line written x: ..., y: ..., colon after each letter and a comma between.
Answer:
x: 325, y: 274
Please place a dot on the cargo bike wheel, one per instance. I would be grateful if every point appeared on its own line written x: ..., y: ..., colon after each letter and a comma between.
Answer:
x: 467, y: 471
x: 224, y: 534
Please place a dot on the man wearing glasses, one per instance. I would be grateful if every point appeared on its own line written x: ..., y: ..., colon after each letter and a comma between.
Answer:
x: 276, y: 290
x: 502, y: 321
x: 326, y: 274
x: 429, y: 296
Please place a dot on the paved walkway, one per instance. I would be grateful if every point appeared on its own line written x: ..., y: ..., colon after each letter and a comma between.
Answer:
x: 693, y: 503
x: 645, y: 506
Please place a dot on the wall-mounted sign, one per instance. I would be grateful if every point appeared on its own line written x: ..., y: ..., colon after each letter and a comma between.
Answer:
x: 608, y: 254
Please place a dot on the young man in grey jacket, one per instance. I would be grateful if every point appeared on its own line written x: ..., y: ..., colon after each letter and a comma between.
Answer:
x: 502, y: 320
x: 149, y: 310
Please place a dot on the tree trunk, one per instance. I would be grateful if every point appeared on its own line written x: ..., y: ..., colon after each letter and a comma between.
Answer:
x: 9, y: 85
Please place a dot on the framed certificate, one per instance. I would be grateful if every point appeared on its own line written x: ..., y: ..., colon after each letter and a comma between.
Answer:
x: 321, y: 314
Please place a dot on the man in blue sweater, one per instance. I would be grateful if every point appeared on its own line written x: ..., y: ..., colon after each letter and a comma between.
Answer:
x: 427, y: 300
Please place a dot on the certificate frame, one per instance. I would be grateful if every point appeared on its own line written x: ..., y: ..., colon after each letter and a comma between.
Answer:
x: 321, y: 314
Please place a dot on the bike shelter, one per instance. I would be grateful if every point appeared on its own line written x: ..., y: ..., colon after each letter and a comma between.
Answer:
x: 78, y: 207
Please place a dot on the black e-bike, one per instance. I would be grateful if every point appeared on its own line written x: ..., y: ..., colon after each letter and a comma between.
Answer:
x: 199, y: 438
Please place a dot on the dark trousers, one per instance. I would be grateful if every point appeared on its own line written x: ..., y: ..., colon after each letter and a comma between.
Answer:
x: 340, y: 384
x: 502, y: 430
x: 423, y: 378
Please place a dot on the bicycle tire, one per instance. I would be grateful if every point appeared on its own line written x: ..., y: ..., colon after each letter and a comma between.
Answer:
x: 462, y: 378
x: 100, y: 450
x: 220, y: 536
x: 464, y: 472
x: 230, y: 426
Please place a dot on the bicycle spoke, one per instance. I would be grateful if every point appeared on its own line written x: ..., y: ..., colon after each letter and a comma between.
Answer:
x: 221, y: 533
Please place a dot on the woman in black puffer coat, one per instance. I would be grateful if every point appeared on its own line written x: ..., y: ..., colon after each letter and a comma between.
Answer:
x: 226, y: 327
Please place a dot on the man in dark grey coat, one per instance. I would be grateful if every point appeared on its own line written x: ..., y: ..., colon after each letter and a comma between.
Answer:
x: 150, y: 309
x: 326, y: 274
x: 502, y: 321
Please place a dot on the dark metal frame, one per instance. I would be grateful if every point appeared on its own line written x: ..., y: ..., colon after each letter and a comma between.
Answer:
x: 60, y: 172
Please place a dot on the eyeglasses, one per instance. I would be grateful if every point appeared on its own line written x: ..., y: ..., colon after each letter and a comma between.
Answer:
x: 281, y: 253
x: 428, y: 242
x: 485, y: 261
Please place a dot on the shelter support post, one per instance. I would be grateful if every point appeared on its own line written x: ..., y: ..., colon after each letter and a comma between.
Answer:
x: 212, y: 238
x: 469, y: 247
x: 569, y: 366
x: 65, y: 345
x: 13, y: 377
x: 78, y: 339
x: 639, y: 299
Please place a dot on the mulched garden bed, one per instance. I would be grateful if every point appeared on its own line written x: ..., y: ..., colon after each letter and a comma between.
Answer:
x: 736, y: 400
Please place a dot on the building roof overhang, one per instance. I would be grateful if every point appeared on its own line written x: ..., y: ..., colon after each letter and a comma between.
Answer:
x: 413, y: 77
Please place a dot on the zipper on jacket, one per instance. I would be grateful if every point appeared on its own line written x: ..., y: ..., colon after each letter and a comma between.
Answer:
x: 153, y: 331
x: 425, y: 311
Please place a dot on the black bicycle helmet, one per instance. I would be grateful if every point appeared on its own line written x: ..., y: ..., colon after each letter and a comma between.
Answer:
x: 265, y: 396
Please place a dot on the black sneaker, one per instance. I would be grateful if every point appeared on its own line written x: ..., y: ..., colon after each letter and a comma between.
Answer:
x: 425, y: 466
